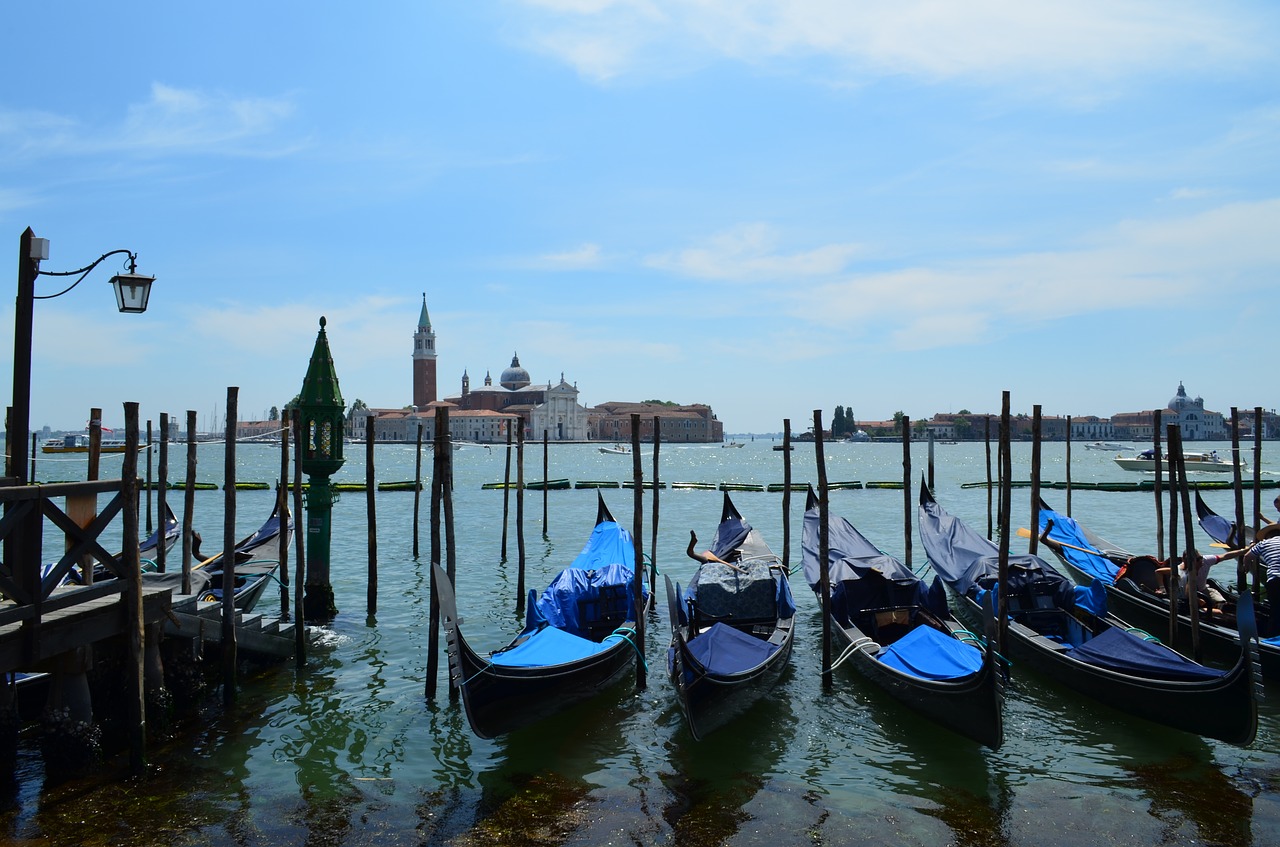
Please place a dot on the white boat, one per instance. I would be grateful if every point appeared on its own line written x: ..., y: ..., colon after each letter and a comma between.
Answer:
x: 732, y: 444
x: 1109, y: 446
x: 80, y: 444
x: 620, y: 449
x: 1209, y: 462
x: 859, y: 435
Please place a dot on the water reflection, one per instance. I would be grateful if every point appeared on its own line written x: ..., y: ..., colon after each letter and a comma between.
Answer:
x: 710, y: 783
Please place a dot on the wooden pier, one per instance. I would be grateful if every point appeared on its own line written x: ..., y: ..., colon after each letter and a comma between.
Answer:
x: 47, y: 626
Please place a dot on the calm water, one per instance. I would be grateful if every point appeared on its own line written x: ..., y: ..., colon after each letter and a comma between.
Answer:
x: 349, y: 751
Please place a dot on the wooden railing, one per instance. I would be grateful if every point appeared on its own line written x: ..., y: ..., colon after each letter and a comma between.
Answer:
x: 30, y: 591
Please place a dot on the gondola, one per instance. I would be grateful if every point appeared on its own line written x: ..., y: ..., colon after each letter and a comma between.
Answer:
x: 578, y: 639
x: 899, y: 634
x: 1139, y: 596
x: 148, y: 549
x: 1064, y: 632
x: 732, y: 628
x: 257, y: 558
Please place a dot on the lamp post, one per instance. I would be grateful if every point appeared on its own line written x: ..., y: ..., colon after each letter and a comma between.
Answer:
x: 132, y: 289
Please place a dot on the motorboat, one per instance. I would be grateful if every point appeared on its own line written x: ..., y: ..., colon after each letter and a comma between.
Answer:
x: 79, y: 443
x: 1209, y: 462
x: 618, y: 449
x: 1109, y: 446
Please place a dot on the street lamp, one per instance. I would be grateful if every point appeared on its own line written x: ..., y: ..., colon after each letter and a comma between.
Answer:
x: 133, y: 290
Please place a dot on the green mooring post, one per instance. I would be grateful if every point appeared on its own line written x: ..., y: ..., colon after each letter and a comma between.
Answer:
x: 320, y: 408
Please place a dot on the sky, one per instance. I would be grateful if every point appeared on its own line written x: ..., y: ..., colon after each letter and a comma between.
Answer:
x: 768, y: 207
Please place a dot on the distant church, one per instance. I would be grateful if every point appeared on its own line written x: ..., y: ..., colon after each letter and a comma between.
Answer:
x: 488, y: 412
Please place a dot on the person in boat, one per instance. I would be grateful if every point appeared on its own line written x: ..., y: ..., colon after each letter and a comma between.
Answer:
x: 1210, y: 598
x: 1265, y: 554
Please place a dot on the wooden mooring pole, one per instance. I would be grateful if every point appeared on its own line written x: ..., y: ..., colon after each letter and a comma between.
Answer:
x: 657, y: 487
x: 546, y: 478
x: 162, y: 495
x: 299, y: 541
x: 433, y: 618
x: 371, y: 487
x: 228, y: 550
x: 147, y: 511
x: 824, y: 542
x: 520, y: 518
x: 446, y: 497
x: 1158, y: 483
x: 189, y: 503
x: 1034, y: 546
x: 987, y: 439
x: 134, y: 626
x: 1002, y: 528
x: 506, y: 491
x: 282, y: 507
x: 786, y: 493
x: 637, y: 537
x: 906, y: 488
x: 417, y: 488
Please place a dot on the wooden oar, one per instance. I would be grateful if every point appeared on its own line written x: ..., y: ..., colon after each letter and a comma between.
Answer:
x: 1023, y: 532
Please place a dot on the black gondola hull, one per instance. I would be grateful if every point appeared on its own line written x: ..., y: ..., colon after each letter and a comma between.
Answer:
x: 500, y: 699
x: 710, y: 701
x: 1219, y: 644
x: 1224, y: 708
x: 971, y: 707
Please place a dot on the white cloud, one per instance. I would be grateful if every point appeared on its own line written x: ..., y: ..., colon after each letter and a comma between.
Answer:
x: 749, y: 253
x: 170, y: 120
x: 990, y: 40
x: 582, y: 258
x: 1148, y: 265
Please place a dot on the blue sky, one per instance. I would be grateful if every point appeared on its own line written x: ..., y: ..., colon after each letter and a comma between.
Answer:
x: 770, y: 207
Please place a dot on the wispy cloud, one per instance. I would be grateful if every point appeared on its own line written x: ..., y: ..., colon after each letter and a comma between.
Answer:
x: 171, y: 120
x: 1152, y: 265
x: 749, y: 253
x: 586, y: 257
x: 990, y: 40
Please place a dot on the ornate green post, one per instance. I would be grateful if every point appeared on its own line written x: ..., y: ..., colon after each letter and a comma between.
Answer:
x: 320, y: 408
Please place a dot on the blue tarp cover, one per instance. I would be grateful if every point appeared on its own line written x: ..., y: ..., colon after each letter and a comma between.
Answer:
x: 1067, y: 531
x: 549, y: 646
x: 1122, y: 651
x: 928, y: 654
x: 605, y: 561
x: 724, y: 650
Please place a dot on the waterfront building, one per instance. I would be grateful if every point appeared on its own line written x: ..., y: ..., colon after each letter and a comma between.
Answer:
x: 686, y: 424
x: 1190, y: 415
x: 541, y: 407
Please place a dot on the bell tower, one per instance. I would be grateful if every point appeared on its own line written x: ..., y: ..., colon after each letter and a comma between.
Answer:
x: 424, y: 360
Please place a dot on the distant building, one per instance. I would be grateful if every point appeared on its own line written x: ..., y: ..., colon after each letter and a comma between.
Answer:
x: 489, y: 411
x: 542, y: 407
x: 676, y: 424
x: 1190, y: 416
x: 424, y: 360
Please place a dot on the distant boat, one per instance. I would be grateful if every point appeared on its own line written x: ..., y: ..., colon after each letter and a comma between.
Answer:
x: 860, y: 435
x: 619, y: 449
x: 1209, y: 462
x: 80, y: 444
x: 1104, y: 445
x: 732, y: 444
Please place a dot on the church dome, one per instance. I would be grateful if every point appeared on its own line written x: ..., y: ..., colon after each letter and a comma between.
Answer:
x: 1180, y: 399
x: 514, y: 377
